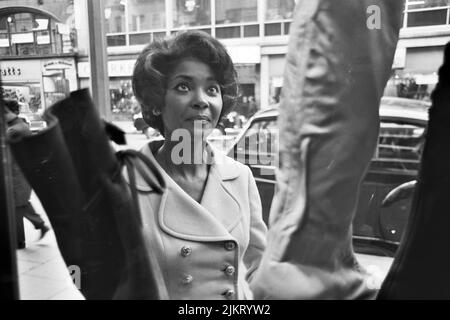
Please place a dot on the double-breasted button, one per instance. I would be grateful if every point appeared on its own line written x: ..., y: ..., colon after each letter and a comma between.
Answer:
x: 185, y: 251
x: 229, y: 294
x: 230, y: 270
x: 230, y: 245
x: 187, y: 279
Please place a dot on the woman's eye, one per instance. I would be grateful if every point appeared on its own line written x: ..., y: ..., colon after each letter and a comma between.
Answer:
x: 182, y: 87
x: 213, y: 90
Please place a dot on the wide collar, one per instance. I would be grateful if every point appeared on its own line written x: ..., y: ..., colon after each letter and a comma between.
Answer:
x: 181, y: 216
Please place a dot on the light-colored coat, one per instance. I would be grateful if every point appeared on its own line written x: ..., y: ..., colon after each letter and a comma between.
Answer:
x: 206, y: 250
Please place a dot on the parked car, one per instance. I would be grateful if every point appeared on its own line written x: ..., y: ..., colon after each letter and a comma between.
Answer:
x: 376, y: 229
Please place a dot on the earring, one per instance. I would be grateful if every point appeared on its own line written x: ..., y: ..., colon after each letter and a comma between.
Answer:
x: 156, y: 112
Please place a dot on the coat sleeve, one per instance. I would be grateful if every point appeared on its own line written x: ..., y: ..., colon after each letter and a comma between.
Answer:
x: 258, y: 229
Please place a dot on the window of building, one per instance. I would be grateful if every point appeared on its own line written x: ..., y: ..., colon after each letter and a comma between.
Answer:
x: 277, y: 12
x: 279, y: 9
x: 235, y: 11
x: 188, y: 13
x: 146, y: 14
x: 427, y: 13
x: 114, y: 16
x: 26, y: 33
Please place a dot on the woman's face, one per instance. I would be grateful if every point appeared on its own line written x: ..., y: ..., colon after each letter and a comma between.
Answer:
x: 193, y: 99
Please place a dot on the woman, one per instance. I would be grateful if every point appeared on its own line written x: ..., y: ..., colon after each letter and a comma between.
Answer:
x: 207, y: 227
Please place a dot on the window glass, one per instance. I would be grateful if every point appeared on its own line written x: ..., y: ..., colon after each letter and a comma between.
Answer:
x: 232, y: 11
x: 146, y: 15
x: 114, y: 16
x: 279, y: 9
x: 251, y: 31
x: 413, y: 4
x: 272, y: 29
x: 21, y: 22
x: 191, y: 13
x: 228, y: 32
x: 427, y: 18
x: 142, y: 38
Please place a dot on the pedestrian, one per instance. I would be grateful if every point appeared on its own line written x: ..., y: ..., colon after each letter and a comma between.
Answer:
x: 21, y: 189
x: 252, y: 106
x: 207, y: 227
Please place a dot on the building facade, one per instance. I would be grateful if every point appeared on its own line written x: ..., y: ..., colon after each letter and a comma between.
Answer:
x: 37, y: 52
x: 255, y: 33
x: 49, y: 39
x: 419, y: 54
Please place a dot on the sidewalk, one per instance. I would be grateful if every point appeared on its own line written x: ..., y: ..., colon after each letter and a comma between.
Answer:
x: 43, y: 275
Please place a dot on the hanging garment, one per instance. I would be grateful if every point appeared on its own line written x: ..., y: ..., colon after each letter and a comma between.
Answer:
x: 76, y: 174
x: 338, y: 62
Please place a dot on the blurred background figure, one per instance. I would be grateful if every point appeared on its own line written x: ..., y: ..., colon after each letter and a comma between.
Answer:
x: 22, y: 190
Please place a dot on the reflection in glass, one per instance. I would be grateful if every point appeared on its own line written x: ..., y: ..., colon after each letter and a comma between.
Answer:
x: 146, y: 15
x: 232, y: 11
x: 191, y: 13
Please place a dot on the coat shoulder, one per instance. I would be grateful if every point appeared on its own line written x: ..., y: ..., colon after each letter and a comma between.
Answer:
x: 230, y: 168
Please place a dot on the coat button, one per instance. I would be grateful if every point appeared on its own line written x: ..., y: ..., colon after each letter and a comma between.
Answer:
x: 188, y: 279
x: 185, y: 251
x: 229, y: 294
x: 230, y: 245
x: 230, y: 270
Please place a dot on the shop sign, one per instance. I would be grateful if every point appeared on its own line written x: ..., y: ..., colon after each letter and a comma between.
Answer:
x: 117, y: 68
x: 23, y: 70
x: 57, y: 65
x: 22, y: 37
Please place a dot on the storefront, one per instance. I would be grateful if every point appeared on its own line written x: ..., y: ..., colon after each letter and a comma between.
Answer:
x: 38, y: 83
x: 123, y: 102
x: 415, y: 72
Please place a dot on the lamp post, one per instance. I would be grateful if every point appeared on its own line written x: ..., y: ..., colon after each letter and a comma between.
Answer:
x: 9, y: 20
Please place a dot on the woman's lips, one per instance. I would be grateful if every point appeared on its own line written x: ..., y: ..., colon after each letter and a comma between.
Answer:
x: 200, y: 118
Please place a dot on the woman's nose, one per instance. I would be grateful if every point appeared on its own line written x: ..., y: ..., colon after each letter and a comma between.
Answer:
x: 200, y: 99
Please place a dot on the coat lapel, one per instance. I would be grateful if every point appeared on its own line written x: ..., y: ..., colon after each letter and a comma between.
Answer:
x: 212, y: 220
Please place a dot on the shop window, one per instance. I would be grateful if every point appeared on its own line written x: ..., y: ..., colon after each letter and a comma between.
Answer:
x: 279, y: 9
x: 123, y: 102
x: 146, y: 15
x: 235, y: 11
x: 191, y: 13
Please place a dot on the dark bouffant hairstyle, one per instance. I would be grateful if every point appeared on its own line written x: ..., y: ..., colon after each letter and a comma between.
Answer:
x: 158, y: 60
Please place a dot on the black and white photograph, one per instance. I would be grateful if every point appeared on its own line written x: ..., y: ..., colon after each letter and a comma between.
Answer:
x: 244, y: 151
